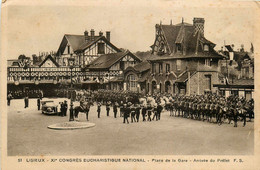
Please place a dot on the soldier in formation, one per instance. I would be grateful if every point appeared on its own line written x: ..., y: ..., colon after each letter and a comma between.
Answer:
x: 212, y: 107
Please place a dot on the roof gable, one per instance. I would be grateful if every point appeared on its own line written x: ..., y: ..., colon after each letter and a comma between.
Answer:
x: 50, y: 58
x: 108, y: 60
x: 191, y: 41
x: 88, y: 44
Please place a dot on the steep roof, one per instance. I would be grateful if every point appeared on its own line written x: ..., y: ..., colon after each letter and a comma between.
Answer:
x: 107, y: 60
x: 143, y: 66
x: 75, y: 40
x: 78, y: 43
x: 192, y: 41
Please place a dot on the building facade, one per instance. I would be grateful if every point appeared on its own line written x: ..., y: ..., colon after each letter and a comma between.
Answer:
x: 97, y: 64
x: 183, y: 61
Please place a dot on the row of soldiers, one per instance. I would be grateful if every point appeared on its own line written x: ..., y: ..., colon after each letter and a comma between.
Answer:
x: 207, y: 107
x: 133, y: 111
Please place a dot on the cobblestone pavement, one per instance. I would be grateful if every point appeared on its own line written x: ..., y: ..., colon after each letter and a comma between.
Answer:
x: 28, y: 135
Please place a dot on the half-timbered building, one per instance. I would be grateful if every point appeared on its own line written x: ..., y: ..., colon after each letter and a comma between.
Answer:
x: 84, y: 48
x: 107, y: 70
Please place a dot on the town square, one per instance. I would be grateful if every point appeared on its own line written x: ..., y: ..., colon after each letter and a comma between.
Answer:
x: 174, y: 82
x: 28, y: 135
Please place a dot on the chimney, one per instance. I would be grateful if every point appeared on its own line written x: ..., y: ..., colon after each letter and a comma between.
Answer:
x: 86, y: 35
x: 198, y: 24
x: 92, y: 34
x: 100, y: 33
x: 108, y: 35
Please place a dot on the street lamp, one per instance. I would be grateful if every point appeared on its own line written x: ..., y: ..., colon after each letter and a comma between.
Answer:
x: 71, y: 66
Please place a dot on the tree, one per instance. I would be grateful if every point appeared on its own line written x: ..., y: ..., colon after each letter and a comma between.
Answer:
x: 22, y: 57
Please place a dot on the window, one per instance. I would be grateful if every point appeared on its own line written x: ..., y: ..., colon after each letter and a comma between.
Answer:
x: 178, y: 47
x: 161, y: 49
x: 206, y: 47
x: 167, y: 68
x: 178, y: 65
x: 208, y: 82
x: 68, y: 49
x: 160, y: 68
x: 122, y: 65
x: 132, y: 82
x: 101, y: 48
x: 207, y: 62
x: 153, y: 68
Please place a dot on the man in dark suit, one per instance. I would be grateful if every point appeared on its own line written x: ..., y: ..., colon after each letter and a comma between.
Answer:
x: 159, y: 111
x: 126, y: 111
x: 39, y: 103
x: 115, y: 109
x: 65, y: 108
x: 137, y: 112
x: 26, y: 101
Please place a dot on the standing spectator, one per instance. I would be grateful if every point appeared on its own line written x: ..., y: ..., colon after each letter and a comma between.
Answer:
x: 159, y: 111
x: 108, y: 107
x: 115, y: 109
x: 61, y: 109
x: 26, y: 101
x: 144, y: 113
x: 132, y: 110
x: 39, y: 103
x: 137, y: 112
x: 9, y: 98
x: 65, y: 108
x: 98, y: 109
x: 126, y: 111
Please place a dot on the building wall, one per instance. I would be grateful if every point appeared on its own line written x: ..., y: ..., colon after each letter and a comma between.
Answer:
x: 190, y: 64
x: 197, y: 83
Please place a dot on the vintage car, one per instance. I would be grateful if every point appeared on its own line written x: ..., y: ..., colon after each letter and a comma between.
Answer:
x: 49, y: 107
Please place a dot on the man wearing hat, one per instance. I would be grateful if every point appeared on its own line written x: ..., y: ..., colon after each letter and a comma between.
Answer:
x: 98, y: 109
x: 159, y: 111
x: 132, y: 112
x: 137, y: 112
x: 115, y: 109
x: 126, y: 112
x: 108, y: 107
x: 65, y: 108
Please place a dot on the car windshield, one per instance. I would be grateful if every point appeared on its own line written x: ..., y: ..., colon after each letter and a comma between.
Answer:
x: 49, y: 104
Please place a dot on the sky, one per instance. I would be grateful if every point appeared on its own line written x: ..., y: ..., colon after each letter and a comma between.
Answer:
x: 32, y: 29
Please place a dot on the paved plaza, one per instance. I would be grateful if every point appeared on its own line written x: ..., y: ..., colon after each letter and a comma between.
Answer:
x: 28, y: 135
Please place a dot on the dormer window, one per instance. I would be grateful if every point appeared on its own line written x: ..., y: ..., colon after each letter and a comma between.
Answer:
x: 206, y: 47
x: 178, y: 47
x: 161, y: 50
x: 101, y: 48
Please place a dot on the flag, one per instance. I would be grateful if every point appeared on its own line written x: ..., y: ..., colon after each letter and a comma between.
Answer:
x: 252, y: 48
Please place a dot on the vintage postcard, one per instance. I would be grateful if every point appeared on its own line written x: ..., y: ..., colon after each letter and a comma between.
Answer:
x: 151, y: 84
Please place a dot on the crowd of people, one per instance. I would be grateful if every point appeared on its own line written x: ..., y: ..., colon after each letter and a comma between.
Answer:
x: 208, y: 107
x: 19, y: 94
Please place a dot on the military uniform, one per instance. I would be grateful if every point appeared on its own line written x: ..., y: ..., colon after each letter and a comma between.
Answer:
x: 38, y: 103
x: 126, y: 111
x: 108, y: 107
x: 98, y: 109
x: 137, y: 112
x: 115, y: 109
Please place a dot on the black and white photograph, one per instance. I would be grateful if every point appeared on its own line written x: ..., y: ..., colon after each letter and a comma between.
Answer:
x: 121, y: 78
